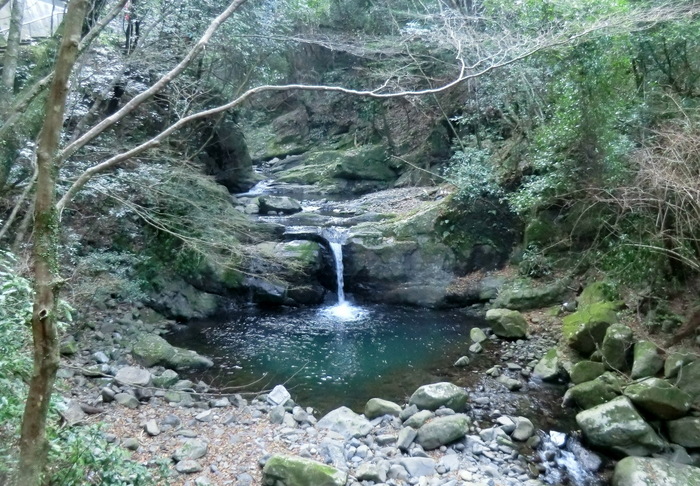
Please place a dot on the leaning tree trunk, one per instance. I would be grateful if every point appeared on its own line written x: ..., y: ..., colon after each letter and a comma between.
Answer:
x: 14, y: 36
x: 33, y: 443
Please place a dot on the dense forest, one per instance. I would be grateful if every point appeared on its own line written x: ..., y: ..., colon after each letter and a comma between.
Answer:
x: 553, y: 143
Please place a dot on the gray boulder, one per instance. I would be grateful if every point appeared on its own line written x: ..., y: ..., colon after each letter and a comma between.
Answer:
x: 685, y: 431
x: 617, y: 346
x: 477, y: 335
x: 297, y: 471
x: 376, y: 407
x: 647, y: 361
x: 345, y: 422
x: 676, y: 360
x: 133, y: 376
x: 638, y: 471
x: 548, y: 368
x: 191, y: 449
x: 507, y: 323
x: 418, y: 419
x: 659, y: 398
x: 432, y: 397
x: 442, y: 430
x: 418, y: 466
x: 592, y: 393
x: 617, y: 425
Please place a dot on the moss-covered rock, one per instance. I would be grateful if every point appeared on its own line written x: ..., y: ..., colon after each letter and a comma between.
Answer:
x: 659, y: 398
x: 616, y: 425
x: 585, y: 329
x: 643, y: 471
x: 442, y: 430
x: 377, y: 407
x: 597, y: 292
x: 584, y: 371
x: 676, y: 360
x: 297, y: 471
x: 689, y: 381
x: 507, y: 323
x: 685, y: 431
x: 592, y: 393
x: 617, y: 347
x: 152, y: 350
x: 647, y: 360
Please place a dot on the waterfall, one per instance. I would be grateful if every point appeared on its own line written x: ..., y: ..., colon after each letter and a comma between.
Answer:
x: 336, y: 237
x: 337, y: 249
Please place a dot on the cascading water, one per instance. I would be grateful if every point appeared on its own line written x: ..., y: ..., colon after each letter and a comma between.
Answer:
x: 343, y: 310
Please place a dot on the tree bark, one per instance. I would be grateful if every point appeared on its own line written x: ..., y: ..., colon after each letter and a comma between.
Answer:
x: 14, y: 36
x: 33, y: 443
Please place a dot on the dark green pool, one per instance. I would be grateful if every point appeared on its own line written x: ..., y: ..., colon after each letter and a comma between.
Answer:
x: 329, y: 359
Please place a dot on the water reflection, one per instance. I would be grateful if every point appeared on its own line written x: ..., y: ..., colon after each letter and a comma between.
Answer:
x: 331, y: 356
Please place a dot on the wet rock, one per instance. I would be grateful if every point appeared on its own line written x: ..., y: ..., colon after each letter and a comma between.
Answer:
x: 584, y: 371
x: 376, y: 407
x: 432, y: 397
x: 618, y: 426
x: 511, y: 383
x: 685, y: 431
x: 659, y: 398
x: 507, y: 323
x: 345, y: 422
x: 476, y: 348
x: 297, y: 471
x: 585, y: 329
x: 462, y: 362
x: 266, y: 291
x: 635, y: 471
x: 278, y: 204
x: 646, y: 361
x: 617, y: 346
x: 442, y: 430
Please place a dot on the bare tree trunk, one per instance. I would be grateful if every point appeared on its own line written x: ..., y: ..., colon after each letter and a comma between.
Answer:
x: 14, y: 36
x: 33, y: 443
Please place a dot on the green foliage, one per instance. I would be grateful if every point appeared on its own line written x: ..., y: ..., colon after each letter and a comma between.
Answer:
x: 534, y: 263
x: 473, y: 173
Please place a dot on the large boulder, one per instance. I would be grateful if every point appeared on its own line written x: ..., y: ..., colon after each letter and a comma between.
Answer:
x: 676, y: 360
x: 585, y: 329
x: 617, y: 346
x: 345, y: 422
x: 376, y: 407
x: 297, y: 471
x: 616, y: 425
x: 226, y: 155
x: 592, y: 393
x: 133, y: 376
x: 278, y: 204
x: 548, y: 367
x: 646, y: 361
x: 685, y: 431
x: 596, y: 293
x: 177, y: 299
x: 507, y: 323
x: 152, y: 350
x: 530, y: 297
x: 442, y: 430
x: 689, y: 381
x: 659, y: 398
x: 585, y: 370
x: 643, y: 471
x: 432, y: 397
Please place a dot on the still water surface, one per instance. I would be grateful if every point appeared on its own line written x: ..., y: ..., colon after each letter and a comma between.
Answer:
x: 332, y: 356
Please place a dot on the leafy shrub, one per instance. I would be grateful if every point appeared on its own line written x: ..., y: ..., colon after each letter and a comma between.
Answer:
x: 534, y: 263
